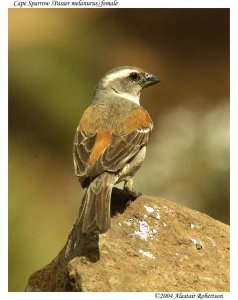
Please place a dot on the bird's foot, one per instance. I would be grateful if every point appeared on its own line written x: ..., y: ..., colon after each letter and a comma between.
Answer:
x: 133, y: 193
x: 128, y: 188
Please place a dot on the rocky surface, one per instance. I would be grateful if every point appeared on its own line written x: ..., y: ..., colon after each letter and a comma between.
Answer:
x: 153, y: 245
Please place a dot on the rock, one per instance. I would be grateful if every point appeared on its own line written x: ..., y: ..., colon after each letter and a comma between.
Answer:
x: 153, y: 245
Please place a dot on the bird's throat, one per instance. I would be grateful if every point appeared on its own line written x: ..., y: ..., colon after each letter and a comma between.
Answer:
x: 128, y: 96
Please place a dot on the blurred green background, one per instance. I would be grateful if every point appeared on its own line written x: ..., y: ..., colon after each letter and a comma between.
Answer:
x: 56, y: 57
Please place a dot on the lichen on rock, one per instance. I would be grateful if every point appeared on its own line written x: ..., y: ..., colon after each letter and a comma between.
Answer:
x: 152, y: 245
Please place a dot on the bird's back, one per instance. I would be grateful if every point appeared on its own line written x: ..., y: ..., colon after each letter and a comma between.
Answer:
x: 115, y: 116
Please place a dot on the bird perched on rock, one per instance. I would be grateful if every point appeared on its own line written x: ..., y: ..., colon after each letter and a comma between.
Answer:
x: 110, y: 142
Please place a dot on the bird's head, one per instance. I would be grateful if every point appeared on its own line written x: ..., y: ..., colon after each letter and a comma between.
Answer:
x: 125, y: 82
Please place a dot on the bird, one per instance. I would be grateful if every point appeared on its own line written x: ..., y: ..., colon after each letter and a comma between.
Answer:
x: 110, y: 142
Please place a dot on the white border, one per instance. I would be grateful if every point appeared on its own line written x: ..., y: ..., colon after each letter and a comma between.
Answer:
x: 143, y: 4
x: 4, y: 148
x: 234, y: 148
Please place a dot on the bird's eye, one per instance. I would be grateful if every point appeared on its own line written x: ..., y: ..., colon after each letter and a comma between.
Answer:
x: 134, y: 76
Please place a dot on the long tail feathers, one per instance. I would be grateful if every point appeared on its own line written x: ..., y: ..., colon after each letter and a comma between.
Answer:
x: 96, y: 205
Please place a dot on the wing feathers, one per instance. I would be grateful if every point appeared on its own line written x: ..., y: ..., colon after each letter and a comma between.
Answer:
x: 98, y: 149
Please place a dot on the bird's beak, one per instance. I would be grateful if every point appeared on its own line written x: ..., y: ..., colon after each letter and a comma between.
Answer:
x: 150, y: 80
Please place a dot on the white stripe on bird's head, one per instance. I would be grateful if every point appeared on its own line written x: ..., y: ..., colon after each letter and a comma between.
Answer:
x: 120, y: 73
